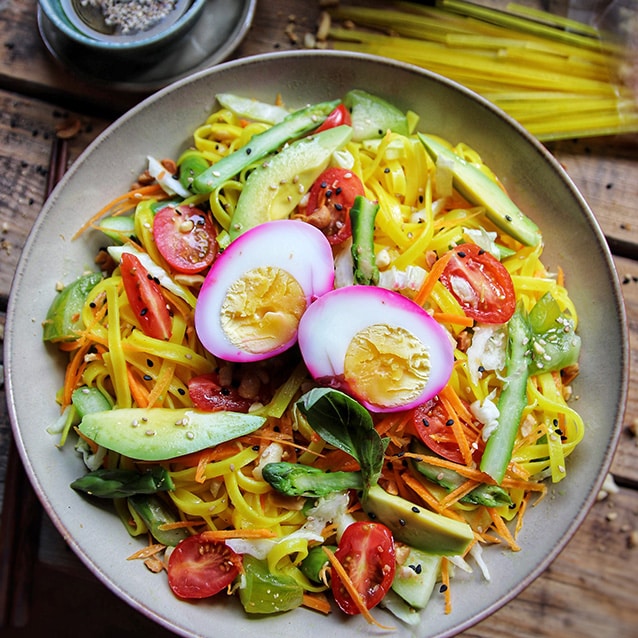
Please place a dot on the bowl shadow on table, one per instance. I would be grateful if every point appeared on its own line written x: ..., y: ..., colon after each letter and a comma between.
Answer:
x: 68, y: 600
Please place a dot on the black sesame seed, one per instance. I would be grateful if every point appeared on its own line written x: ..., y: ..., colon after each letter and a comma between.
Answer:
x: 249, y: 151
x: 402, y: 522
x: 461, y: 254
x: 324, y: 184
x: 425, y: 422
x: 338, y: 190
x: 443, y: 588
x: 143, y: 312
x: 339, y: 206
x: 149, y: 363
x: 508, y: 218
x: 148, y: 377
x: 386, y: 170
x: 449, y: 422
x: 181, y: 391
x: 255, y: 448
x: 224, y: 392
x: 415, y: 509
x: 372, y: 515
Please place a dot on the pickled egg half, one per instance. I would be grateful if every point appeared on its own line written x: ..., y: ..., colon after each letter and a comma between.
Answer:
x: 259, y: 287
x: 376, y: 345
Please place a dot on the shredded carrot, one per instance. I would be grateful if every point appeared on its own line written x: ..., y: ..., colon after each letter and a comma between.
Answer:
x: 73, y: 373
x: 463, y: 470
x: 448, y: 317
x: 224, y: 534
x: 445, y: 581
x: 457, y: 494
x: 129, y: 199
x: 432, y: 278
x: 457, y: 426
x: 502, y: 529
x: 205, y: 458
x: 149, y: 550
x: 521, y: 513
x: 138, y: 391
x: 318, y: 602
x: 351, y: 589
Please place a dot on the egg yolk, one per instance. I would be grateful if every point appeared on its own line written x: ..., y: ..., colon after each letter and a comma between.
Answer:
x: 261, y: 310
x: 387, y: 365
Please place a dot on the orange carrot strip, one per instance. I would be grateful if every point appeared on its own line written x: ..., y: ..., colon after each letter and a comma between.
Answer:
x: 457, y: 494
x: 73, y: 373
x: 138, y: 391
x: 521, y: 512
x: 433, y: 276
x: 463, y: 470
x: 149, y: 550
x: 425, y: 495
x: 457, y: 427
x: 131, y: 197
x: 445, y: 582
x: 205, y: 458
x: 351, y: 589
x: 502, y: 529
x: 318, y: 602
x: 223, y: 534
x: 448, y: 317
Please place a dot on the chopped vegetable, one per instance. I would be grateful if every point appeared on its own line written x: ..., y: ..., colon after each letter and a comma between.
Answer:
x: 512, y: 401
x: 295, y: 479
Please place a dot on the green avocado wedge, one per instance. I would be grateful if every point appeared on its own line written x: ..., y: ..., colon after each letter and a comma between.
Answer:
x: 274, y: 188
x: 480, y: 190
x: 157, y: 434
x: 416, y: 526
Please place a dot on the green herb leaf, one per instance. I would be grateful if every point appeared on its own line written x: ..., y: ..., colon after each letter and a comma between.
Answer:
x: 343, y: 422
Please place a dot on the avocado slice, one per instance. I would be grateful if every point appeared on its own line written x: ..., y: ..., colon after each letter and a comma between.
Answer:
x: 157, y: 434
x: 274, y: 188
x: 372, y: 116
x: 416, y: 526
x: 415, y: 577
x: 298, y: 123
x: 64, y: 317
x: 480, y: 190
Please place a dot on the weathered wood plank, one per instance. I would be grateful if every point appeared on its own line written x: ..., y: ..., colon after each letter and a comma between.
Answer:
x: 27, y: 129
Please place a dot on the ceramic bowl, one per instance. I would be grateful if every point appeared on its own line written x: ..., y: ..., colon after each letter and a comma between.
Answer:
x: 143, y: 47
x: 162, y: 126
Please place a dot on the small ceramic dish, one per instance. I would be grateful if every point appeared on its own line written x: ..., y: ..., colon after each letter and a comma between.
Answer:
x: 84, y: 25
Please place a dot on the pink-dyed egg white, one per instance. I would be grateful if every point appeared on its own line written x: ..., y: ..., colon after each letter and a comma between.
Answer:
x: 376, y: 345
x: 255, y: 293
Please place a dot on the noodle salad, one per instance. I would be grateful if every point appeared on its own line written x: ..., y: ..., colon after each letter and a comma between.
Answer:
x: 320, y: 362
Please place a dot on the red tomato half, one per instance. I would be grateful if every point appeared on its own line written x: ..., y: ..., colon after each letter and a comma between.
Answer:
x: 338, y: 117
x: 146, y: 298
x: 198, y: 568
x: 330, y: 200
x: 207, y: 394
x: 481, y: 284
x: 430, y: 420
x: 366, y: 551
x: 185, y: 237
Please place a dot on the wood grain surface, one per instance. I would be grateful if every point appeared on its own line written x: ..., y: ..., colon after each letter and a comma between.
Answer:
x: 590, y: 589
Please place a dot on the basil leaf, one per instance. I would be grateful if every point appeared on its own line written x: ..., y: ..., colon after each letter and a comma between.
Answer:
x: 343, y: 422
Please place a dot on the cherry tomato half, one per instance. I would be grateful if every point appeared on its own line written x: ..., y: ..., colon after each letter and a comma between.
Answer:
x: 198, y: 568
x: 329, y: 202
x: 430, y: 421
x: 481, y: 284
x: 207, y: 394
x: 366, y: 551
x: 185, y: 237
x: 146, y: 298
x: 338, y: 117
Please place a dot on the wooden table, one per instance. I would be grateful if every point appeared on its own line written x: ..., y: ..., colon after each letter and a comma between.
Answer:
x: 590, y: 589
